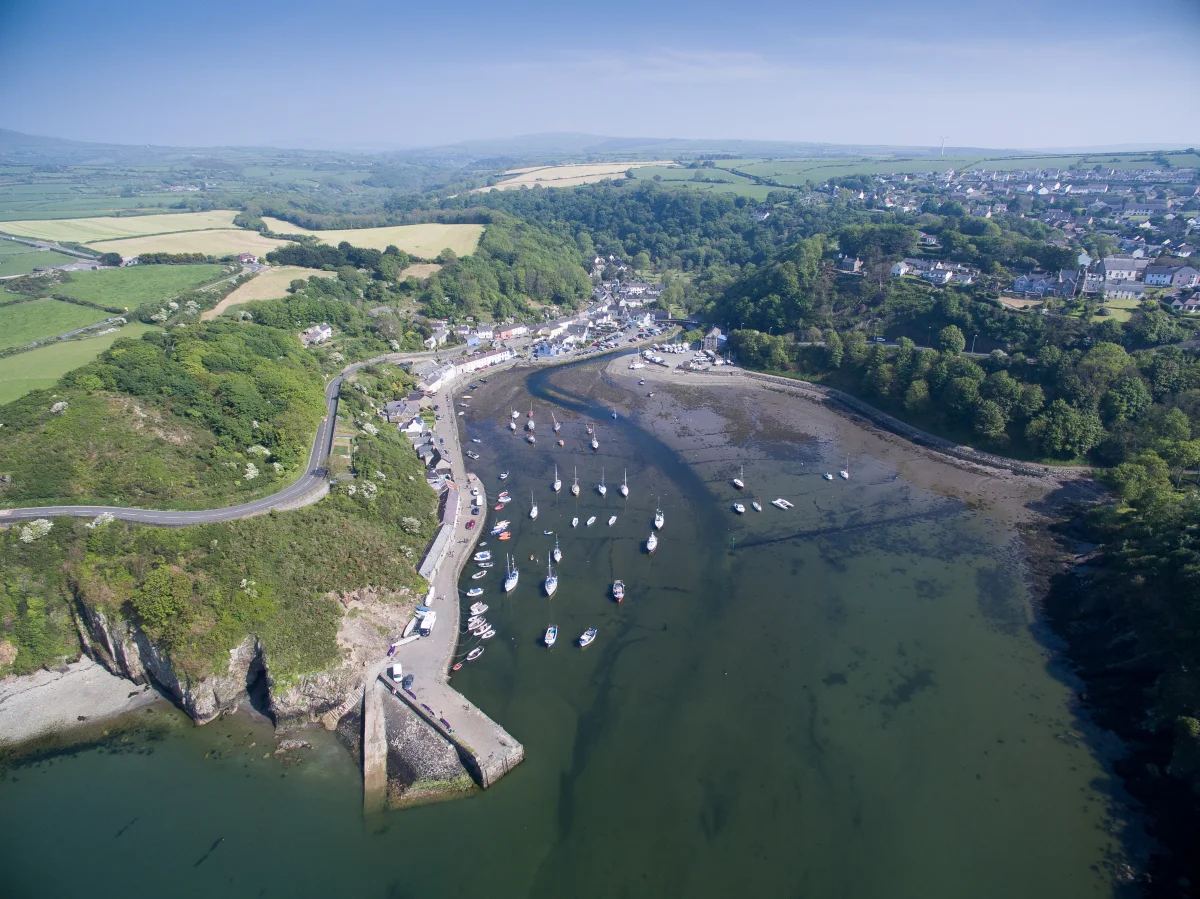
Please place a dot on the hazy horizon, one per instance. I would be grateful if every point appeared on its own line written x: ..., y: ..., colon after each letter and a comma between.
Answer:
x: 404, y: 76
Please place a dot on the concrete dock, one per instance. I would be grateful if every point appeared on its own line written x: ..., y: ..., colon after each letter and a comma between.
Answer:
x: 485, y: 748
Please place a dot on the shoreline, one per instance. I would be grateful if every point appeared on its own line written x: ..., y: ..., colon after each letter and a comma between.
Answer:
x: 74, y: 696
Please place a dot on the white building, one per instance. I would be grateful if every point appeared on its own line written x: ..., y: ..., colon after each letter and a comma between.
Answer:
x: 316, y: 334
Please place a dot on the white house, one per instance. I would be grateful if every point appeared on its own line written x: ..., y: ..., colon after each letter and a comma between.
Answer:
x: 1120, y: 268
x: 316, y: 334
x: 483, y: 360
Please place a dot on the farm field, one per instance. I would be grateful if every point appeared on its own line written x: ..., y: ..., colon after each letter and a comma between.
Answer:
x: 25, y: 260
x: 420, y: 270
x: 211, y: 243
x: 269, y: 285
x: 23, y: 323
x: 43, y: 367
x: 138, y: 284
x: 729, y: 183
x: 569, y: 175
x: 88, y: 230
x: 425, y: 240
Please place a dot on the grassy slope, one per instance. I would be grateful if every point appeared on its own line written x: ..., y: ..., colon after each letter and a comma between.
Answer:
x: 131, y: 287
x: 426, y: 240
x: 21, y: 323
x: 85, y: 230
x: 41, y: 368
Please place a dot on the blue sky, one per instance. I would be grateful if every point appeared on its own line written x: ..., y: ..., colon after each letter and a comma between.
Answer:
x: 353, y: 74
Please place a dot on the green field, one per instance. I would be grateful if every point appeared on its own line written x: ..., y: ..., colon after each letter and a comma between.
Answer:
x: 26, y: 259
x: 729, y: 182
x: 22, y: 323
x: 43, y: 367
x: 138, y: 284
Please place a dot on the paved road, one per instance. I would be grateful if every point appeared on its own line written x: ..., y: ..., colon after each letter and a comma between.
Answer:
x: 308, y: 489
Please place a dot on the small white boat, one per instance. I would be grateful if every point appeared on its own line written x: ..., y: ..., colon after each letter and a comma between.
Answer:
x: 504, y: 500
x: 512, y: 426
x: 504, y: 475
x: 739, y: 508
x: 510, y: 579
x: 557, y: 554
x: 574, y: 522
x: 755, y: 506
x: 602, y: 489
x: 595, y: 443
x: 652, y: 543
x: 485, y: 564
x: 551, y: 635
x: 475, y: 591
x: 618, y: 589
x: 587, y: 636
x: 479, y: 608
x: 531, y: 408
x: 515, y: 414
x: 625, y: 484
x: 462, y: 413
x: 531, y: 424
x: 551, y: 582
x: 474, y: 653
x: 557, y: 485
x: 827, y: 476
x: 488, y: 634
x: 658, y: 519
x: 612, y: 521
x: 411, y: 626
x: 557, y: 423
x: 845, y: 472
x: 591, y: 521
x: 499, y: 527
x: 738, y: 482
x: 575, y: 486
x: 531, y: 438
x: 781, y: 503
x: 483, y: 556
x: 533, y: 508
x: 478, y: 574
x: 476, y: 440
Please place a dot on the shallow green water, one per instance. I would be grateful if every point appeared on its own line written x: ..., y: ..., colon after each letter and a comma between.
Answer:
x: 843, y: 700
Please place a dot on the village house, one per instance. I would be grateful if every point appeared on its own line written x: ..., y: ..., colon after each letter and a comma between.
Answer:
x: 398, y: 411
x: 247, y: 259
x: 484, y: 360
x: 712, y: 340
x: 938, y: 276
x: 1171, y: 276
x: 850, y: 264
x: 511, y: 332
x: 1124, y: 290
x: 1191, y: 304
x: 1121, y: 268
x: 316, y: 334
x: 436, y: 339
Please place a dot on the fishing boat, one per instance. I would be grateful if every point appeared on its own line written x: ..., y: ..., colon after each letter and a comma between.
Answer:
x: 551, y: 582
x: 479, y: 608
x: 515, y: 414
x: 591, y: 521
x: 557, y: 423
x: 485, y: 564
x: 504, y: 500
x: 504, y: 475
x: 845, y: 472
x: 488, y: 634
x: 531, y: 424
x: 602, y: 489
x: 557, y: 554
x: 498, y: 527
x: 574, y: 522
x: 483, y: 556
x: 755, y: 506
x: 738, y: 482
x: 474, y: 621
x: 505, y: 536
x: 658, y: 519
x: 575, y: 486
x: 739, y: 508
x: 625, y: 484
x: 478, y: 574
x: 457, y: 665
x: 557, y: 485
x: 827, y: 476
x: 510, y: 579
x: 531, y: 438
x: 652, y: 543
x: 474, y: 653
x: 618, y: 589
x: 504, y: 494
x: 612, y: 521
x: 587, y: 637
x: 551, y: 635
x: 533, y: 508
x: 499, y: 507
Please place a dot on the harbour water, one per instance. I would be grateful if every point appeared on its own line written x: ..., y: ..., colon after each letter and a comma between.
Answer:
x: 848, y: 699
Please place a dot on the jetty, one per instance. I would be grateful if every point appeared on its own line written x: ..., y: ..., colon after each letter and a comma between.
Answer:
x: 486, y: 750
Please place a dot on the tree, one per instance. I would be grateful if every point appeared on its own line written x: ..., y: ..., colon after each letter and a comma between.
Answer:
x: 833, y: 349
x: 990, y: 421
x: 113, y: 259
x: 1126, y: 399
x: 1033, y: 398
x: 1065, y: 431
x: 1002, y: 389
x: 916, y: 398
x: 951, y: 340
x: 960, y: 397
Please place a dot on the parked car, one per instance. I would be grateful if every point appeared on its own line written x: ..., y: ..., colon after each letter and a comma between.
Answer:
x: 470, y: 524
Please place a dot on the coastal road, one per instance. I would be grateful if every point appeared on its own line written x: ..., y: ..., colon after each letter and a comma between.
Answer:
x: 308, y: 489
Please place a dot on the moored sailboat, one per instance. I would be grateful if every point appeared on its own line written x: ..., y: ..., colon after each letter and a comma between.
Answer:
x: 551, y: 582
x: 557, y: 485
x: 557, y: 554
x: 575, y: 485
x: 738, y: 482
x: 625, y: 484
x: 652, y: 543
x: 533, y: 507
x: 510, y: 579
x: 845, y: 472
x: 602, y: 489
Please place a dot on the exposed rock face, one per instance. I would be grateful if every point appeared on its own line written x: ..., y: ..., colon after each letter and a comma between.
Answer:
x: 371, y: 621
x: 125, y: 650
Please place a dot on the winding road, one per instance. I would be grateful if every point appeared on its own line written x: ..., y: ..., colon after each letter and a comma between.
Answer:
x: 308, y: 489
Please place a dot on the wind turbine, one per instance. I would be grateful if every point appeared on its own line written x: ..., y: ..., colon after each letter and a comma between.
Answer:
x: 943, y: 153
